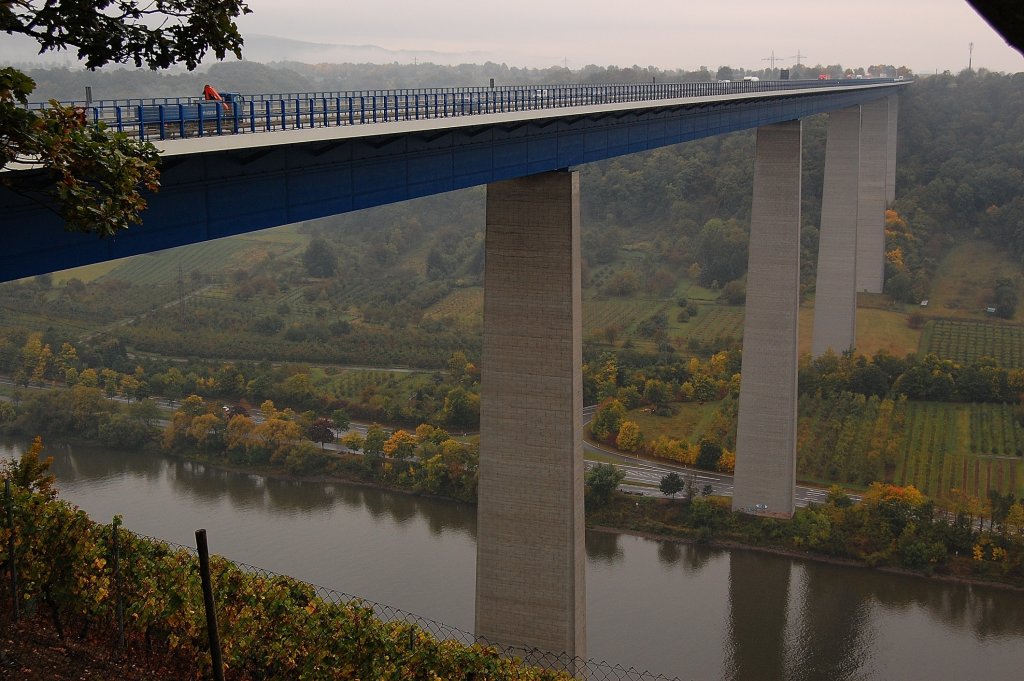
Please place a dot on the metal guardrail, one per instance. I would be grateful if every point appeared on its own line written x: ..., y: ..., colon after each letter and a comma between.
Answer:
x: 178, y: 117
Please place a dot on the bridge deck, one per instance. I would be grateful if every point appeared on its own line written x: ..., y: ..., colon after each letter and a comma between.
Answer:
x: 324, y: 131
x: 217, y: 186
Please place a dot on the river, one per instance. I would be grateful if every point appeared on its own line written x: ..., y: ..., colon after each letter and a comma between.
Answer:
x: 675, y: 609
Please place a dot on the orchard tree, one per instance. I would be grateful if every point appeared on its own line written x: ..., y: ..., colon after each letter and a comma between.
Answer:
x: 601, y: 481
x: 99, y: 174
x: 672, y: 484
x: 319, y: 258
x: 341, y: 419
x: 709, y: 455
x: 373, y: 443
x: 658, y: 393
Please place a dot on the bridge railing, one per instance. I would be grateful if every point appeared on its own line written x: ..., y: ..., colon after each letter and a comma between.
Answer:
x: 177, y: 117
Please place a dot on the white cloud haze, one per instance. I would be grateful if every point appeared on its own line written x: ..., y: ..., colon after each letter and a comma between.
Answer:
x: 926, y: 35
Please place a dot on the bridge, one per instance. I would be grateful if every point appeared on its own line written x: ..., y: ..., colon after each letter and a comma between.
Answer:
x: 270, y: 161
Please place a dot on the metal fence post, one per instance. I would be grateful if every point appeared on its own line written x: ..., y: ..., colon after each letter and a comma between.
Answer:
x: 211, y: 613
x: 117, y: 581
x: 10, y: 549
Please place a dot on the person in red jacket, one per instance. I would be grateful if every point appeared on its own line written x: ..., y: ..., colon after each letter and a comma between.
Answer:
x: 210, y: 94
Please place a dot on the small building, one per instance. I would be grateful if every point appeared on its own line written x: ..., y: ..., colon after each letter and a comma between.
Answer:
x: 990, y: 310
x: 924, y: 303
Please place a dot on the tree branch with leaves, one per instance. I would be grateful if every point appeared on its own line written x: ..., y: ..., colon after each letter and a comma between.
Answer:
x: 97, y: 175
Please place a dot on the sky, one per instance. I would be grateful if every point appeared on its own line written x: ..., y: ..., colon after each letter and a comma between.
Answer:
x: 926, y: 35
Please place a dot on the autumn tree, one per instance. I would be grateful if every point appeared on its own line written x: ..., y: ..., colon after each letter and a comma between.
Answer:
x: 277, y: 436
x: 208, y: 432
x: 1015, y: 519
x: 239, y: 435
x: 98, y: 174
x: 31, y: 471
x: 352, y: 440
x: 400, y: 445
x: 321, y: 430
x: 607, y: 419
x: 629, y: 438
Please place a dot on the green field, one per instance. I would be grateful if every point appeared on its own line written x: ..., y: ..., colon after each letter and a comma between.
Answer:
x: 354, y: 384
x: 209, y: 257
x: 600, y: 313
x: 935, y: 446
x: 86, y: 273
x: 966, y: 342
x: 164, y: 267
x: 466, y: 304
x: 972, y: 447
x: 713, y: 322
x: 963, y: 282
x: 687, y: 424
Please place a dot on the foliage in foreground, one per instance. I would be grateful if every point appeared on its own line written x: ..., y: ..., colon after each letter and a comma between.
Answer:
x: 98, y: 174
x: 271, y: 627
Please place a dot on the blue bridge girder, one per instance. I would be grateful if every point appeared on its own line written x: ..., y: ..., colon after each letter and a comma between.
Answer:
x: 215, y: 186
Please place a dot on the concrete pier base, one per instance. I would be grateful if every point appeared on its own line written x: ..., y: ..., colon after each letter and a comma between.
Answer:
x: 530, y: 531
x: 766, y: 434
x: 835, y: 297
x: 874, y: 144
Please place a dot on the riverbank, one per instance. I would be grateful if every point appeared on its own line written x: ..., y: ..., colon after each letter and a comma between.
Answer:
x: 709, y: 521
x: 715, y: 525
x: 646, y: 517
x: 731, y: 545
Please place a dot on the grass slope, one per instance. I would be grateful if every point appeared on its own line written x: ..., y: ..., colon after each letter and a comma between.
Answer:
x: 962, y: 286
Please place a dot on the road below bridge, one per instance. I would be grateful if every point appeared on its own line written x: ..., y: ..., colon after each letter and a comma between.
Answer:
x: 644, y: 476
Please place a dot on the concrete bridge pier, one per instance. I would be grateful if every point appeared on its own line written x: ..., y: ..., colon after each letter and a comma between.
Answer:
x: 874, y: 149
x: 890, y: 151
x: 766, y: 434
x: 835, y: 298
x: 530, y: 531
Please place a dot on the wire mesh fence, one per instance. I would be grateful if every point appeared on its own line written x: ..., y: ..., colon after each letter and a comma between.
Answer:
x: 589, y: 669
x: 136, y: 590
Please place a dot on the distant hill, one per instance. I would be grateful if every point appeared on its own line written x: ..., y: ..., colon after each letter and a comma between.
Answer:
x: 268, y: 48
x: 24, y: 52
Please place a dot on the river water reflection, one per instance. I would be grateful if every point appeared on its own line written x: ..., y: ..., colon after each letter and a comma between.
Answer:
x: 676, y: 609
